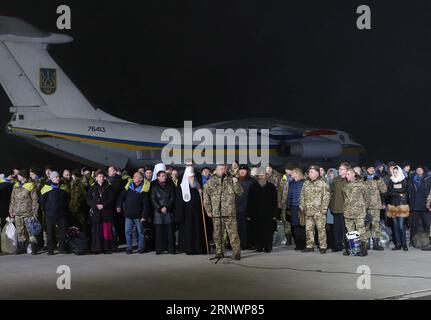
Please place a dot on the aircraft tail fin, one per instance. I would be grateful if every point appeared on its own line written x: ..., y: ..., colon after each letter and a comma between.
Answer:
x: 29, y: 75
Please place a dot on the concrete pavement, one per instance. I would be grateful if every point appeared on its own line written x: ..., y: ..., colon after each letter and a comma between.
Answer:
x: 282, y: 274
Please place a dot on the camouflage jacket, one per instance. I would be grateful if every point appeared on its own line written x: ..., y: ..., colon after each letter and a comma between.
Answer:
x: 212, y: 190
x: 274, y: 178
x: 282, y: 194
x: 374, y: 189
x: 355, y: 195
x: 24, y: 200
x: 314, y: 197
x: 78, y: 193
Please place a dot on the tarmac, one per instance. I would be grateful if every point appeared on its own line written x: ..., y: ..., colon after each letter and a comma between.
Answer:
x: 281, y: 274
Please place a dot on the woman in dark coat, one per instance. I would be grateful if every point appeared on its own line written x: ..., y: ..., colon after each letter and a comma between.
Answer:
x: 162, y: 194
x: 262, y: 212
x: 398, y: 208
x: 101, y: 200
x: 188, y: 215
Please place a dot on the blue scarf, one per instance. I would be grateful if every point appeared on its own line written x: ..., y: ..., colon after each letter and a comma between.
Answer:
x: 370, y: 177
x: 137, y: 189
x: 417, y: 180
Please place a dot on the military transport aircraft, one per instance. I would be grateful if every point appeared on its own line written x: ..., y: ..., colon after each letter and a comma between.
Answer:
x: 41, y: 92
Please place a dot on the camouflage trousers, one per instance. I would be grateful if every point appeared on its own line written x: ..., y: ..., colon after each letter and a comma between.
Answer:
x: 21, y: 230
x: 318, y: 221
x: 229, y: 225
x: 375, y: 224
x: 357, y: 224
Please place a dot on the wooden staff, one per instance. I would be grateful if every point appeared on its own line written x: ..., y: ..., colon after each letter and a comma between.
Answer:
x: 205, y: 225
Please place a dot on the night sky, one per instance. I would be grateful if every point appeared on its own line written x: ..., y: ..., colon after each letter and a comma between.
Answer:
x: 163, y: 62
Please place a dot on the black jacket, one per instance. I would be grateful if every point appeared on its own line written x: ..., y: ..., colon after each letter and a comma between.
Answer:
x: 117, y: 185
x: 397, y: 193
x: 418, y: 195
x: 54, y: 200
x: 163, y: 196
x: 241, y: 201
x: 134, y: 204
x: 102, y: 195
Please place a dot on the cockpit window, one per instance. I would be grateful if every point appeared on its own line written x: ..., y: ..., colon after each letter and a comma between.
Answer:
x: 14, y: 117
x: 21, y: 117
x: 342, y: 138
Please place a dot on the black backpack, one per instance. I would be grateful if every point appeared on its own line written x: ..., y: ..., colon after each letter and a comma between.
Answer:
x: 76, y: 242
x: 79, y: 244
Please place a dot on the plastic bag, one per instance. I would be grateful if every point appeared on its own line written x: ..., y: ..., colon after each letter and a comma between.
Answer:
x: 33, y: 226
x: 9, y: 237
x: 354, y: 243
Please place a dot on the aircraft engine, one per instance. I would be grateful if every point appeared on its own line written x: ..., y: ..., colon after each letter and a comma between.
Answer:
x: 316, y: 149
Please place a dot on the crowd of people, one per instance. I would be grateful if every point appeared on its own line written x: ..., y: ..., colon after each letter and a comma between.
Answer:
x: 190, y: 211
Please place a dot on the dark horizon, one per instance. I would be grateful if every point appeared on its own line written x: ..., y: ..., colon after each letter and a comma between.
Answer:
x: 165, y: 62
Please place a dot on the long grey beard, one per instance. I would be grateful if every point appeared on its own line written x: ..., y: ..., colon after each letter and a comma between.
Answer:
x: 194, y: 185
x: 262, y: 182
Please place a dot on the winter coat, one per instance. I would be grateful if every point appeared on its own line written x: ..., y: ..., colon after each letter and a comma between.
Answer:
x: 294, y: 193
x: 163, y: 196
x: 375, y: 188
x: 24, y: 200
x: 355, y: 195
x: 54, y: 200
x: 418, y: 194
x: 241, y: 200
x: 219, y: 197
x: 397, y: 193
x: 102, y: 194
x: 134, y: 201
x: 337, y: 200
x: 315, y: 197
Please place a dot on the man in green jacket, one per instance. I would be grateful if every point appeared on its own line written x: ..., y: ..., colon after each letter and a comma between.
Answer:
x: 336, y: 205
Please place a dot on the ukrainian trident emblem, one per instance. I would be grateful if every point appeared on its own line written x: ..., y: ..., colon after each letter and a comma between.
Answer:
x: 48, y: 80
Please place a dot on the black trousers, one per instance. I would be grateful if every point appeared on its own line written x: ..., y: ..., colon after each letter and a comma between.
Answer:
x: 242, y: 229
x: 299, y: 236
x: 339, y: 232
x: 164, y: 238
x: 51, y: 223
x: 120, y: 235
x: 420, y: 220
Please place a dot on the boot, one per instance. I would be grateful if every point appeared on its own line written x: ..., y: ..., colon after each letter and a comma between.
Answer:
x: 364, y: 251
x: 21, y: 248
x: 346, y: 252
x: 308, y: 250
x: 288, y: 240
x: 33, y: 248
x: 376, y: 245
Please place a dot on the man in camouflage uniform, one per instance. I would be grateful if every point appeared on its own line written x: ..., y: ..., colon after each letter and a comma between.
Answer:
x: 314, y: 201
x: 219, y: 203
x: 23, y: 205
x: 282, y: 195
x: 375, y: 187
x: 273, y: 176
x: 77, y: 203
x: 356, y: 201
